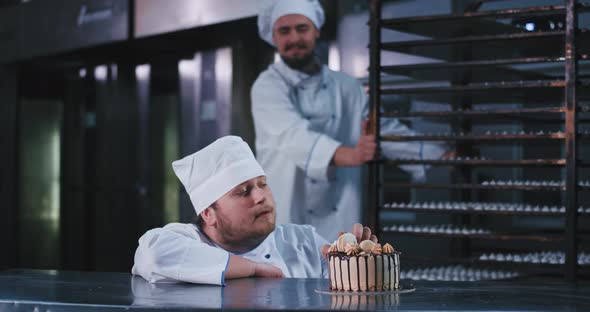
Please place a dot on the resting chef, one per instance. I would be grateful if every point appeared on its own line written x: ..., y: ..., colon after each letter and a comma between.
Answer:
x: 235, y: 234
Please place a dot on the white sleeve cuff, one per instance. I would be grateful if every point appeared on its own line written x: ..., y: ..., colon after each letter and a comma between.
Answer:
x: 213, y: 273
x: 320, y: 156
x: 416, y: 150
x: 433, y: 150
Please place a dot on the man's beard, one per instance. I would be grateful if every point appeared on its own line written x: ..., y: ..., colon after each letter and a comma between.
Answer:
x: 242, y: 234
x: 299, y: 63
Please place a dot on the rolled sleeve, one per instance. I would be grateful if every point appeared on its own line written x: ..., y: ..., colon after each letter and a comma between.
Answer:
x: 281, y: 129
x: 409, y: 150
x: 212, y: 272
x: 320, y: 157
x: 432, y: 150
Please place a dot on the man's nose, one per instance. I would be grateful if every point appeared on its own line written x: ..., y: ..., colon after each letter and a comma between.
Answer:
x: 259, y: 195
x: 293, y: 37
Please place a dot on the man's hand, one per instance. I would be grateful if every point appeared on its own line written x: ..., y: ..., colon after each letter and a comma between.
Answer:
x: 267, y: 270
x: 448, y: 155
x: 363, y: 152
x: 324, y: 250
x: 361, y: 233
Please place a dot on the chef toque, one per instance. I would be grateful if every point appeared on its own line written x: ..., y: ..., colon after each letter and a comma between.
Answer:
x: 216, y: 169
x: 271, y: 10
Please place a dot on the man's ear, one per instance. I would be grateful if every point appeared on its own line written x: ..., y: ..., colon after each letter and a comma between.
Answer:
x: 209, y: 217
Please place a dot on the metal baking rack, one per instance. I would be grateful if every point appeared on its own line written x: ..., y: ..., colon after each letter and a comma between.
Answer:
x: 452, y: 231
x: 484, y: 208
x: 486, y: 57
x: 543, y: 257
x: 457, y: 273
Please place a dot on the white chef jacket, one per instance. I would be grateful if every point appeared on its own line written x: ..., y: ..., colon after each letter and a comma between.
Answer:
x: 300, y: 120
x: 179, y: 252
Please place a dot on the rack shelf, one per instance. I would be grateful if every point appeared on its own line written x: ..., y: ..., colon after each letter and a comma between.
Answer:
x: 472, y: 186
x: 484, y: 137
x: 536, y: 237
x: 506, y: 213
x: 481, y: 87
x: 457, y: 273
x: 484, y: 208
x: 491, y: 263
x: 476, y: 22
x: 487, y: 94
x: 482, y: 68
x: 480, y: 162
x: 523, y: 268
x: 486, y: 47
x: 541, y: 91
x: 510, y: 112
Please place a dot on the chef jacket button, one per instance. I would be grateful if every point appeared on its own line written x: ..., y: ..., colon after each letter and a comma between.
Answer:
x: 307, y: 117
x: 324, y: 86
x: 309, y: 211
x: 313, y: 181
x: 335, y: 208
x: 267, y: 256
x: 333, y: 116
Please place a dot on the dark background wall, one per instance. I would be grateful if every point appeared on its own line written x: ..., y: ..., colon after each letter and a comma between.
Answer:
x: 91, y: 116
x: 8, y: 159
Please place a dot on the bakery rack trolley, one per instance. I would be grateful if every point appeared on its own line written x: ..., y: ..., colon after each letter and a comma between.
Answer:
x: 492, y: 56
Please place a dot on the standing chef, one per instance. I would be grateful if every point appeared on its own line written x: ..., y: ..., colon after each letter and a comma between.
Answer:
x: 235, y: 235
x: 310, y: 134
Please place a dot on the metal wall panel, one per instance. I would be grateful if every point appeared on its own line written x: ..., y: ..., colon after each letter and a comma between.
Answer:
x: 39, y: 187
x: 154, y: 17
x: 116, y: 192
x: 74, y: 214
x: 8, y: 229
x: 9, y: 34
x: 37, y: 28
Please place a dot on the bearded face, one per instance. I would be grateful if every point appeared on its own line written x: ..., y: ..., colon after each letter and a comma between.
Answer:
x: 244, y: 216
x: 255, y: 227
x: 295, y: 38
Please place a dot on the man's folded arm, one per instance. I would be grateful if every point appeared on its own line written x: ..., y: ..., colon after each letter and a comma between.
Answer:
x: 165, y: 255
x: 172, y: 255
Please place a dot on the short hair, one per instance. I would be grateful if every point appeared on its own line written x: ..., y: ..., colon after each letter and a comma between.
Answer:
x: 199, y: 222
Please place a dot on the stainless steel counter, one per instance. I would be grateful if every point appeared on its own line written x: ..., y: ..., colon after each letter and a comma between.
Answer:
x: 27, y: 290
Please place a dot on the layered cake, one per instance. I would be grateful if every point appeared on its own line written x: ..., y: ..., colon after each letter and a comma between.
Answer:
x: 364, y: 266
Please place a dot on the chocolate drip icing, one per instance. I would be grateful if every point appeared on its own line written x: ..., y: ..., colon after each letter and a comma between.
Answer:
x: 375, y: 257
x: 383, y: 272
x: 348, y: 268
x: 341, y: 279
x: 330, y: 271
x: 398, y: 266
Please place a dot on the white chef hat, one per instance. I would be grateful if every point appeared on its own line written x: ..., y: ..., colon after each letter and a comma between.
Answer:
x: 271, y: 10
x: 216, y: 169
